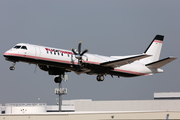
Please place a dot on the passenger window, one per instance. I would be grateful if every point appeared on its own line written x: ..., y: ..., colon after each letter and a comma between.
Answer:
x: 17, y: 47
x: 24, y: 47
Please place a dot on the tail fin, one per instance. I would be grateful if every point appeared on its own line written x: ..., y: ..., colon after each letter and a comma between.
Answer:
x: 154, y: 49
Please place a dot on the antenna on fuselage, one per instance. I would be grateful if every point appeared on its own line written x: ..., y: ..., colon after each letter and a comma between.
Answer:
x: 35, y: 68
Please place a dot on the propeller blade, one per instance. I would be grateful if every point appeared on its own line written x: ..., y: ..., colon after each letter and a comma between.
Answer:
x: 79, y: 54
x: 84, y: 52
x: 79, y: 48
x: 73, y: 51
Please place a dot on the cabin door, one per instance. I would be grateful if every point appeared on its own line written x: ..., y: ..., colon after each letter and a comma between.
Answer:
x: 37, y: 52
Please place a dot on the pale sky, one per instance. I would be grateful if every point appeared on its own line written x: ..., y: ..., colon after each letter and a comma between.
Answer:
x: 111, y: 28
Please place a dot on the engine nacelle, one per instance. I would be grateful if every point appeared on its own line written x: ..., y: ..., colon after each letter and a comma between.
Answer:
x: 44, y: 67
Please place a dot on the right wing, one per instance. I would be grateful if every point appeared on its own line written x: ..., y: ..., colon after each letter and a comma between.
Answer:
x: 160, y: 63
x: 107, y: 65
x: 124, y: 61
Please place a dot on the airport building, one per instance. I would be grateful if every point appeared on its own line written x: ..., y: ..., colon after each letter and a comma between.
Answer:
x: 164, y: 106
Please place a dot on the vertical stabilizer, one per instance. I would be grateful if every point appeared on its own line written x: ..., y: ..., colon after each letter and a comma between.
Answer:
x: 154, y: 49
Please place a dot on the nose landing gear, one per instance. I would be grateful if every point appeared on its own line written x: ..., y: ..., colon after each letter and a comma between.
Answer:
x: 12, y: 67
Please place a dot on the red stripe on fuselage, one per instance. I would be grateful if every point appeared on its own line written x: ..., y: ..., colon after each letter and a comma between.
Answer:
x: 132, y: 72
x: 63, y: 61
x: 36, y: 57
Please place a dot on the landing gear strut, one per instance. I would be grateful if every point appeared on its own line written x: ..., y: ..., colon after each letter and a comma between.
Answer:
x: 12, y: 67
x: 100, y: 78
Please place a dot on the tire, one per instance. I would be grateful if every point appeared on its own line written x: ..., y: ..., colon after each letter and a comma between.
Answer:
x: 100, y: 78
x: 57, y: 79
x: 12, y: 68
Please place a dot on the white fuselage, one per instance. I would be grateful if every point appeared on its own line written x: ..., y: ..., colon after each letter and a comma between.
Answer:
x: 35, y: 53
x: 59, y: 61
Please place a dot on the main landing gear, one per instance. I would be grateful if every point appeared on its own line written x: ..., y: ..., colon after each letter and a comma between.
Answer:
x: 12, y: 67
x: 100, y: 78
x: 58, y: 79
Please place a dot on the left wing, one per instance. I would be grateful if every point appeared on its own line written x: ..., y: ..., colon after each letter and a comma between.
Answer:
x: 124, y: 61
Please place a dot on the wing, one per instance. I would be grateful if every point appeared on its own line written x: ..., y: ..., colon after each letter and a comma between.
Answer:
x: 124, y: 61
x: 160, y: 63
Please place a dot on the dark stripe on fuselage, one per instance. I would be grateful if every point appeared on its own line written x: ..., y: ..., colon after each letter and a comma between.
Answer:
x: 62, y: 65
x: 38, y: 61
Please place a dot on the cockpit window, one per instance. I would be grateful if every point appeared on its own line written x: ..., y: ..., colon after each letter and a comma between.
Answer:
x: 17, y: 46
x: 24, y: 47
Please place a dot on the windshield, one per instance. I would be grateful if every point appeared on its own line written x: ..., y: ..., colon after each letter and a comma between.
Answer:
x: 24, y: 47
x: 17, y: 46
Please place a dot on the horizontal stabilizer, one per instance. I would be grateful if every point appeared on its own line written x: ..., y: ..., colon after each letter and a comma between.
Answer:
x: 160, y: 63
x: 124, y: 61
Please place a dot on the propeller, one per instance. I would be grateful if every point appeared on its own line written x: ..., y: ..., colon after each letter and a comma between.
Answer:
x: 79, y: 54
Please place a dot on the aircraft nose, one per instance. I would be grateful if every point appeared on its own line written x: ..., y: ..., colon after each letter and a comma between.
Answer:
x: 6, y: 53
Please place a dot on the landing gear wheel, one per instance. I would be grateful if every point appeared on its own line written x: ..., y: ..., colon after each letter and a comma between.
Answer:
x: 57, y: 79
x: 12, y: 68
x: 100, y: 78
x: 97, y: 78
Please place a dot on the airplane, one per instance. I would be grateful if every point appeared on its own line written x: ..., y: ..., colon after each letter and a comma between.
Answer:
x: 59, y: 61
